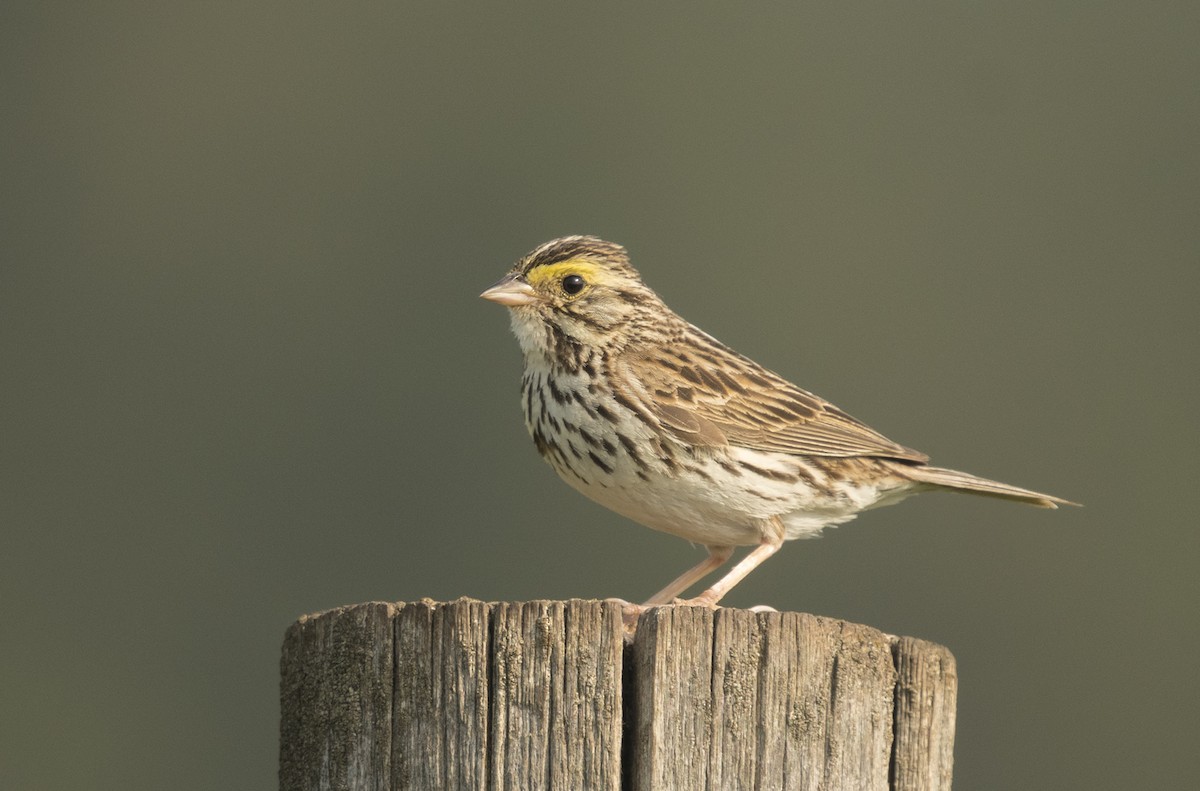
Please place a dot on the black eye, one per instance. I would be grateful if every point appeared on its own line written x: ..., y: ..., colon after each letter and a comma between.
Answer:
x: 573, y: 284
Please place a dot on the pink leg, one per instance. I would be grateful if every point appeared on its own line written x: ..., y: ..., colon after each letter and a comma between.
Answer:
x: 716, y: 556
x: 769, y: 546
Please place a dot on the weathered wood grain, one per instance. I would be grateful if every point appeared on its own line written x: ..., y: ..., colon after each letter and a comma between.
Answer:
x: 471, y: 695
x: 593, y: 695
x: 926, y: 697
x: 441, y: 692
x: 458, y: 695
x: 336, y: 699
x: 556, y: 696
x: 736, y: 699
x: 672, y: 711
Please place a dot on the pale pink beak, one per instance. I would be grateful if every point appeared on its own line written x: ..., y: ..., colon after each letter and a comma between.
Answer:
x: 511, y: 292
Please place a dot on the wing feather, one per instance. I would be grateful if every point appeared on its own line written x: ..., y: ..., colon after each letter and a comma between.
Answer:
x: 707, y: 394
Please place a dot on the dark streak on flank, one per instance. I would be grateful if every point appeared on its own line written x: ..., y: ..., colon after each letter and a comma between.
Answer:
x: 774, y: 475
x: 666, y: 456
x: 728, y: 466
x: 806, y: 475
x: 767, y: 497
x: 600, y: 463
x: 631, y: 451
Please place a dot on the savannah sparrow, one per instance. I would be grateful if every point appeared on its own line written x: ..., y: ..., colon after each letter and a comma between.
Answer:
x: 662, y: 423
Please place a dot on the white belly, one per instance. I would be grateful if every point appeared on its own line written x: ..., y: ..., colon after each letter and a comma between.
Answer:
x: 711, y: 506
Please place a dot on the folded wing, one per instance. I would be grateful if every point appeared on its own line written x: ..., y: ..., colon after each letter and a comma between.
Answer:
x: 708, y: 394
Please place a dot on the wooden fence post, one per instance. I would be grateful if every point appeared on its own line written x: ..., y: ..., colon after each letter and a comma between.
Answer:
x: 547, y: 694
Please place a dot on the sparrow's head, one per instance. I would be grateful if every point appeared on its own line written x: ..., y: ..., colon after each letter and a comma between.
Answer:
x: 577, y: 289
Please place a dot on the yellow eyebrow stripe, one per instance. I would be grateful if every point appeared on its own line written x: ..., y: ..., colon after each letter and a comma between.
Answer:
x: 583, y: 267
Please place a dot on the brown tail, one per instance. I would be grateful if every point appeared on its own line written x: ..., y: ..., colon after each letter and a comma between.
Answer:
x: 962, y: 481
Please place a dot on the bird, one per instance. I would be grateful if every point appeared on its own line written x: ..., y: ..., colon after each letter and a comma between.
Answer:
x: 651, y: 417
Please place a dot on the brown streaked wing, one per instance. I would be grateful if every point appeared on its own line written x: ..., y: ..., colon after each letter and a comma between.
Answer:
x: 711, y: 395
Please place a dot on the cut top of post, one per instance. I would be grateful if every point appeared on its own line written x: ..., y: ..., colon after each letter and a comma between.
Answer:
x: 548, y: 694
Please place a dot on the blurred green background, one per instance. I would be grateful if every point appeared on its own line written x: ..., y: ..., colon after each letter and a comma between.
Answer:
x: 246, y: 374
